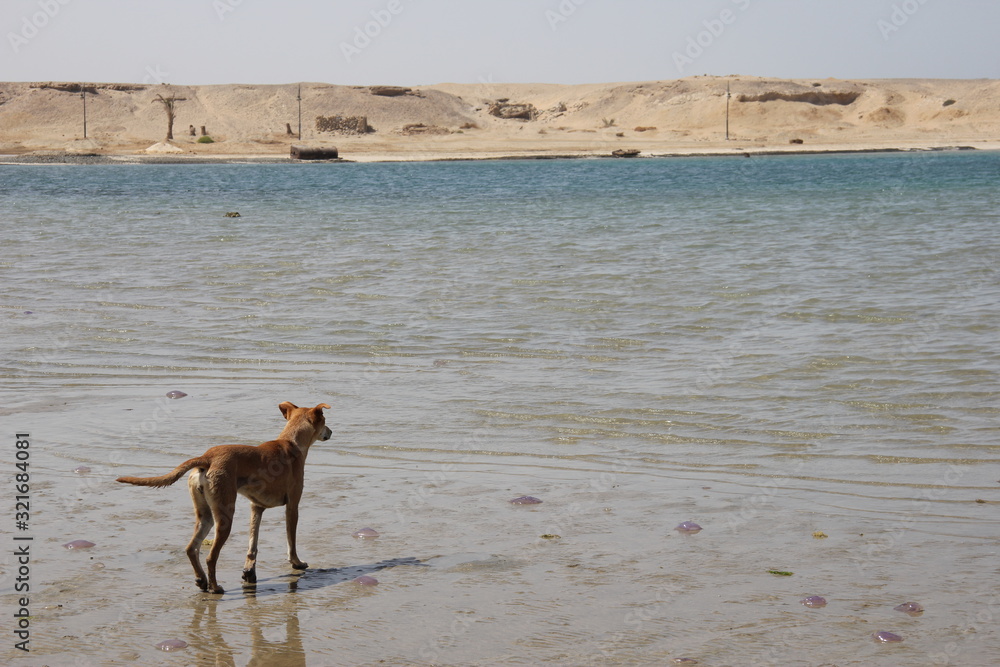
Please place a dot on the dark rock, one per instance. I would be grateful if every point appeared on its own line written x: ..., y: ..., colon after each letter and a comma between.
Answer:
x: 389, y: 91
x: 343, y: 124
x: 420, y: 128
x: 314, y: 153
x: 819, y: 98
x: 510, y: 111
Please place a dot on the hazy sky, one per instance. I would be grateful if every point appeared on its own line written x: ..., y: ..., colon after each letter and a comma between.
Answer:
x: 413, y: 42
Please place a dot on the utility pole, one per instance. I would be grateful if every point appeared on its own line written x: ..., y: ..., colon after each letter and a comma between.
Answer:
x: 299, y: 99
x: 727, y: 110
x: 83, y: 95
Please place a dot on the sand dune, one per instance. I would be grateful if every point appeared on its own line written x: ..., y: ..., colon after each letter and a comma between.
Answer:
x: 466, y: 120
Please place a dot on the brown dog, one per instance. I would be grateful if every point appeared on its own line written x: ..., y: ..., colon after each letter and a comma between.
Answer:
x: 270, y: 475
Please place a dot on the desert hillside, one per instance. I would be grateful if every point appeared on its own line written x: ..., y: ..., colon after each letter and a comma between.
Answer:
x: 488, y: 120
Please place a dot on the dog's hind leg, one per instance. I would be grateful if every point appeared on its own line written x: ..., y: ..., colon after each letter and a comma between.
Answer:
x: 202, y: 525
x: 291, y: 524
x: 220, y: 494
x: 250, y: 566
x: 222, y: 511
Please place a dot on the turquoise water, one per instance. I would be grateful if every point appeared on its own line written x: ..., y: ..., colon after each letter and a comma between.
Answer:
x: 796, y: 343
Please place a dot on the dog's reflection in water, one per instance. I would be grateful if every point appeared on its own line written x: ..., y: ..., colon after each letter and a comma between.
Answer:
x: 267, y: 645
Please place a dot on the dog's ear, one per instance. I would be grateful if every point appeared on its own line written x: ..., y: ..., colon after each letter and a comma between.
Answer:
x: 321, y: 406
x: 286, y: 407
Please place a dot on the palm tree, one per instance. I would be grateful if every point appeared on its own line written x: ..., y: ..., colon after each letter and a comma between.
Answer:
x: 168, y: 106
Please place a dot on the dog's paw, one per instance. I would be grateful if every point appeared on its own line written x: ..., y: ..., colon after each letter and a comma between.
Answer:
x: 300, y: 566
x: 202, y: 584
x: 218, y: 590
x: 250, y: 576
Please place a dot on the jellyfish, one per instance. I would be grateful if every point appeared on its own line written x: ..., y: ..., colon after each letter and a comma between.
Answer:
x: 171, y: 645
x: 814, y: 601
x: 79, y: 544
x: 911, y: 608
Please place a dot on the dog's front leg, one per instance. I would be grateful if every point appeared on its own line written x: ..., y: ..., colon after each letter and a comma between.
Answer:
x: 250, y: 566
x: 291, y: 523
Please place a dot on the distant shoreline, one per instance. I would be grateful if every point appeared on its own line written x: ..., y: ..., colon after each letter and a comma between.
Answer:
x: 43, y: 122
x: 96, y: 159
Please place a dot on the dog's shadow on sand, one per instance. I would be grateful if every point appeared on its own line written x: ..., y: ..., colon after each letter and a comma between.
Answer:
x: 313, y: 579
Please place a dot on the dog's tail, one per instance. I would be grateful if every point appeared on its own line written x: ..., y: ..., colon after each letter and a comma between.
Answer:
x: 169, y: 478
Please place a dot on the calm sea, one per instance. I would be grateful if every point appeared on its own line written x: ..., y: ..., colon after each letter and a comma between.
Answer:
x: 773, y: 347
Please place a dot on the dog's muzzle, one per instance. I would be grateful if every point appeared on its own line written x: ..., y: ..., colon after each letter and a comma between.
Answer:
x: 326, y: 433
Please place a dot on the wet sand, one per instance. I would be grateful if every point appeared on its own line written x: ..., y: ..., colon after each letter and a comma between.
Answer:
x: 595, y: 574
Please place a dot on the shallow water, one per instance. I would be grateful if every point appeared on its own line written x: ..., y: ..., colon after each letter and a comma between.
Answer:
x: 776, y: 348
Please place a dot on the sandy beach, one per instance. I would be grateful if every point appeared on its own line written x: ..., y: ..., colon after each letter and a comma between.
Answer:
x: 42, y: 120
